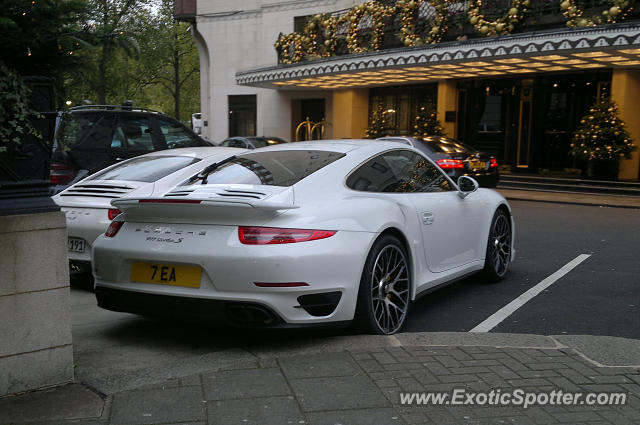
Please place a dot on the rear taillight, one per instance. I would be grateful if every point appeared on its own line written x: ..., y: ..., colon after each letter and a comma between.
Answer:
x: 113, y: 228
x: 450, y: 163
x: 61, y: 173
x: 493, y: 163
x: 113, y: 213
x: 275, y: 235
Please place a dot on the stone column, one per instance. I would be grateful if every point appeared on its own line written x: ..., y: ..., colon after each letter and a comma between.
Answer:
x: 35, y: 312
x: 447, y: 101
x: 625, y: 87
x: 350, y: 113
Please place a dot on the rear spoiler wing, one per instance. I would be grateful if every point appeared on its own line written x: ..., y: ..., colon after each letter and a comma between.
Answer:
x: 127, y: 204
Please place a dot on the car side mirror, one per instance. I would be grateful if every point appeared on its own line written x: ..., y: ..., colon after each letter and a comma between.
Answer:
x: 466, y: 185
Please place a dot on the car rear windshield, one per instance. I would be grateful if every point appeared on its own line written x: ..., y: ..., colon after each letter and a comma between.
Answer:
x: 75, y: 129
x: 274, y: 168
x: 146, y: 169
x: 446, y: 145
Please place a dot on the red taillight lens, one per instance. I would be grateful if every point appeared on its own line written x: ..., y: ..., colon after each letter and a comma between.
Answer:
x: 275, y: 235
x: 113, y: 213
x: 113, y: 228
x: 493, y: 163
x: 450, y: 163
x: 61, y: 173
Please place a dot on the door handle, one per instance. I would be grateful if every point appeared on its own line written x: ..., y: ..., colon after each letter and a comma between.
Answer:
x: 427, y: 218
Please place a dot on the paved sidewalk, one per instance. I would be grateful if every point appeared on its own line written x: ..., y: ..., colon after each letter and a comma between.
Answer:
x: 358, y: 380
x: 618, y: 201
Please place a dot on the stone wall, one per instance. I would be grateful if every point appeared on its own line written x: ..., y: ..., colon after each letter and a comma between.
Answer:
x: 35, y: 315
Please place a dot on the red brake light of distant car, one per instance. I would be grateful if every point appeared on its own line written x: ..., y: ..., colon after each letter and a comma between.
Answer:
x: 274, y: 235
x: 113, y: 228
x: 113, y: 213
x: 494, y: 163
x: 450, y: 163
x: 61, y: 173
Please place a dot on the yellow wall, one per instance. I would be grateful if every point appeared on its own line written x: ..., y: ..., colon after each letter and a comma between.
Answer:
x: 447, y: 99
x: 625, y: 91
x: 350, y: 113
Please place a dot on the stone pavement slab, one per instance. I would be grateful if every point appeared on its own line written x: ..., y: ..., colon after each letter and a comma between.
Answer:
x: 68, y: 402
x: 363, y: 385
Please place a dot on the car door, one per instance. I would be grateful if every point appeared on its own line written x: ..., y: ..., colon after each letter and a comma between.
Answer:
x: 450, y: 225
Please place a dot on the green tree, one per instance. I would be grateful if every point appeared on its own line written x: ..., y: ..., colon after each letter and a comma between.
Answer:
x: 43, y: 37
x: 427, y: 123
x: 108, y: 30
x: 176, y: 78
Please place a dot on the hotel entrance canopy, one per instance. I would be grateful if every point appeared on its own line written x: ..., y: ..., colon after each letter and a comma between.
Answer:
x: 565, y: 50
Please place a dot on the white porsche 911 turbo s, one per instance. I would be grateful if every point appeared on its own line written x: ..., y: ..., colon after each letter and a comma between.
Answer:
x: 87, y: 204
x: 300, y: 234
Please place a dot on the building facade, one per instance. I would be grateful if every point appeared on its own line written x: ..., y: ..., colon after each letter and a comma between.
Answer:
x: 513, y: 79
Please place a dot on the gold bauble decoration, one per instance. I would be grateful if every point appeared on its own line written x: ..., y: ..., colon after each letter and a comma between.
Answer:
x: 500, y: 27
x: 614, y: 11
x: 484, y: 29
x: 565, y: 5
x: 473, y: 20
x: 513, y: 11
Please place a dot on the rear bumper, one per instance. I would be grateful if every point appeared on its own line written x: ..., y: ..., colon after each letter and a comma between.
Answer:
x: 231, y: 271
x: 85, y: 224
x: 230, y: 313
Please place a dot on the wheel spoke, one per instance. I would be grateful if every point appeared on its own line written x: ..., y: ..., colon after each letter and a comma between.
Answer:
x: 390, y: 289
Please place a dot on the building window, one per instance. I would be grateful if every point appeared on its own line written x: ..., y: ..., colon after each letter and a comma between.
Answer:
x: 299, y: 22
x: 242, y: 115
x: 400, y: 104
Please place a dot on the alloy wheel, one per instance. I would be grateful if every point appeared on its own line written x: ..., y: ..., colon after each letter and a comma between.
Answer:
x: 390, y: 289
x: 500, y: 244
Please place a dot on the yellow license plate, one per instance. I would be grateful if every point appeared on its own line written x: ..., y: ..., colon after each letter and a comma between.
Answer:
x: 166, y: 274
x: 476, y: 164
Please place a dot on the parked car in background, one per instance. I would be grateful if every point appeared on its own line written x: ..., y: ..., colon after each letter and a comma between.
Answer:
x: 87, y: 203
x: 455, y: 158
x: 309, y: 233
x: 90, y: 138
x: 251, y: 142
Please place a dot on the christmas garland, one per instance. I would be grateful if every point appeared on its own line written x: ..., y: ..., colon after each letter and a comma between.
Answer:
x: 409, y: 12
x: 353, y: 17
x: 286, y: 42
x: 575, y: 16
x: 320, y: 35
x: 320, y: 39
x: 501, y: 26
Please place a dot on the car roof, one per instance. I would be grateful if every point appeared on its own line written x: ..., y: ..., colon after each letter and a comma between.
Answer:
x: 340, y: 145
x: 197, y: 152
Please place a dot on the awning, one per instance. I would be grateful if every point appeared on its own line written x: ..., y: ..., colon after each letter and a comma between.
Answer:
x: 566, y: 50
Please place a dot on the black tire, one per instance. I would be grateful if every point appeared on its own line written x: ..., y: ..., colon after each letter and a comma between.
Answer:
x: 498, y: 256
x: 383, y: 306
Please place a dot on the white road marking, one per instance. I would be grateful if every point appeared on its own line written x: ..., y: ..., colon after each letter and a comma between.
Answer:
x: 506, y: 311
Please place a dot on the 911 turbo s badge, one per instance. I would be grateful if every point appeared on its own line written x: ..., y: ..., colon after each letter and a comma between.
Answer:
x: 170, y: 240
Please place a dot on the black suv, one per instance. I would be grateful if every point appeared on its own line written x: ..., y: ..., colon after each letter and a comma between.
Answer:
x: 90, y: 138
